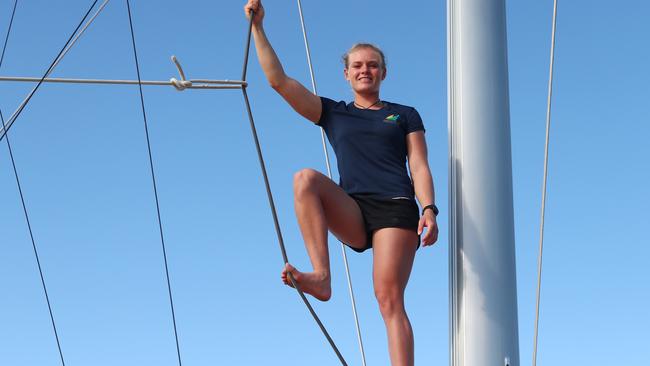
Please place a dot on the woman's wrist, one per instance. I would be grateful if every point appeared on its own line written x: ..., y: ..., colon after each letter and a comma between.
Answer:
x: 431, y: 207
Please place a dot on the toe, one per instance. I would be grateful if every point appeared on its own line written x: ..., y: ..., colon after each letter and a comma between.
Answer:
x: 289, y: 268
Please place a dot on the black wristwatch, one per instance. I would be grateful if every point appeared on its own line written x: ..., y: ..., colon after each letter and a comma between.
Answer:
x: 432, y: 207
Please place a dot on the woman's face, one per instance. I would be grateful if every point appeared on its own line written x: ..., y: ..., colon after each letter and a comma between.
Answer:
x: 365, y: 71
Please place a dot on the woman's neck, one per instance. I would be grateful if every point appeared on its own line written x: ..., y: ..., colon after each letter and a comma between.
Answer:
x: 370, y: 101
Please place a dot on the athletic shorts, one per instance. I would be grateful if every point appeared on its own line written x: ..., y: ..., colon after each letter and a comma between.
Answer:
x: 380, y: 213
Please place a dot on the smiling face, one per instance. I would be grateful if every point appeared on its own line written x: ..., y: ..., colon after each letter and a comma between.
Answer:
x: 365, y: 70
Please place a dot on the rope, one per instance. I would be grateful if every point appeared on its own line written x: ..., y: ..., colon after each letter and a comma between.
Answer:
x: 183, y: 84
x: 541, y: 226
x: 153, y: 180
x: 272, y: 204
x: 329, y: 174
x: 180, y: 85
x: 71, y: 41
x: 13, y: 162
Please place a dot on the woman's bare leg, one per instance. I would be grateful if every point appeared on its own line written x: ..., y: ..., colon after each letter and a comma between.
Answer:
x: 320, y: 205
x: 393, y: 255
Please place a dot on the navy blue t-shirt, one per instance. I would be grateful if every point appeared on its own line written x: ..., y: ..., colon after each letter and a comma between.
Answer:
x: 370, y: 146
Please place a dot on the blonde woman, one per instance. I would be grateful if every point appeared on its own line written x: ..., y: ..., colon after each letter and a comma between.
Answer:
x: 373, y: 206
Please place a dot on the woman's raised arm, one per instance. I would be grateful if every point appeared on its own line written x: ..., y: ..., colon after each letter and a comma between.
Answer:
x: 299, y: 98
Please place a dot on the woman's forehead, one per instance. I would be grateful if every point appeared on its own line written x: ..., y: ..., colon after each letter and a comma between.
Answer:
x: 364, y: 54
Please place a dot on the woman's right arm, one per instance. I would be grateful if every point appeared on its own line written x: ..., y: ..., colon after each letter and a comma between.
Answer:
x: 299, y: 98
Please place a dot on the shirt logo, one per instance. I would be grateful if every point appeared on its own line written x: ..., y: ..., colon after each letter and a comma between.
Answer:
x: 391, y: 118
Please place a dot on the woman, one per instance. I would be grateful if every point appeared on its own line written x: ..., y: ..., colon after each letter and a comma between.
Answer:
x: 374, y: 205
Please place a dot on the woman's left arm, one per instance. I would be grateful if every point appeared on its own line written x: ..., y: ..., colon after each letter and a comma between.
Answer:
x: 423, y: 183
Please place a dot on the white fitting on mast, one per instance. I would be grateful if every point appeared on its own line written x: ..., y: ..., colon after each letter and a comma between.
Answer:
x: 483, y: 286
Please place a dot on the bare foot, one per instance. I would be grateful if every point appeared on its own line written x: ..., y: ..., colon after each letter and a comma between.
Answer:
x: 316, y: 284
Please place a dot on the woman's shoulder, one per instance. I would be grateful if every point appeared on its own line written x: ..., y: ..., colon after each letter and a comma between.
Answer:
x: 330, y: 108
x: 332, y: 104
x: 400, y: 107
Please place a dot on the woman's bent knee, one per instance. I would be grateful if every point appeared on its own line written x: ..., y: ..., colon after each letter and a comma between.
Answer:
x: 305, y: 180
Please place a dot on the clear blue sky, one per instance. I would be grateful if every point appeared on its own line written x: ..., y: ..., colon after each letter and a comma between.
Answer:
x: 82, y: 158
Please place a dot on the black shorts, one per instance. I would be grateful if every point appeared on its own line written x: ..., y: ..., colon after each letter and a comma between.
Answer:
x: 386, y: 212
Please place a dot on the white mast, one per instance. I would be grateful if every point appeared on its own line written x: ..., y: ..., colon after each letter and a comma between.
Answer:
x: 483, y: 287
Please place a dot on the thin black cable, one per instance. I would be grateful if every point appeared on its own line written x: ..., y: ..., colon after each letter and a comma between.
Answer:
x: 13, y: 163
x: 49, y: 69
x: 11, y: 22
x: 153, y: 179
x: 272, y: 204
x: 31, y: 236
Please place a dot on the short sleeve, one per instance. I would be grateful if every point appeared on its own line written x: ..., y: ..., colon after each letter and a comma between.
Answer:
x: 414, y: 122
x: 327, y: 106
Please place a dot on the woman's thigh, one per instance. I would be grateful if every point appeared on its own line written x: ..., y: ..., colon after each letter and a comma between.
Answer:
x: 393, y: 254
x: 342, y: 213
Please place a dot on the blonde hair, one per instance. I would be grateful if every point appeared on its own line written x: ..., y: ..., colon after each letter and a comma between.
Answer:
x: 358, y: 46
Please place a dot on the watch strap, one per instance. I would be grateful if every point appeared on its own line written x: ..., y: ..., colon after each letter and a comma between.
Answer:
x: 432, y: 207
